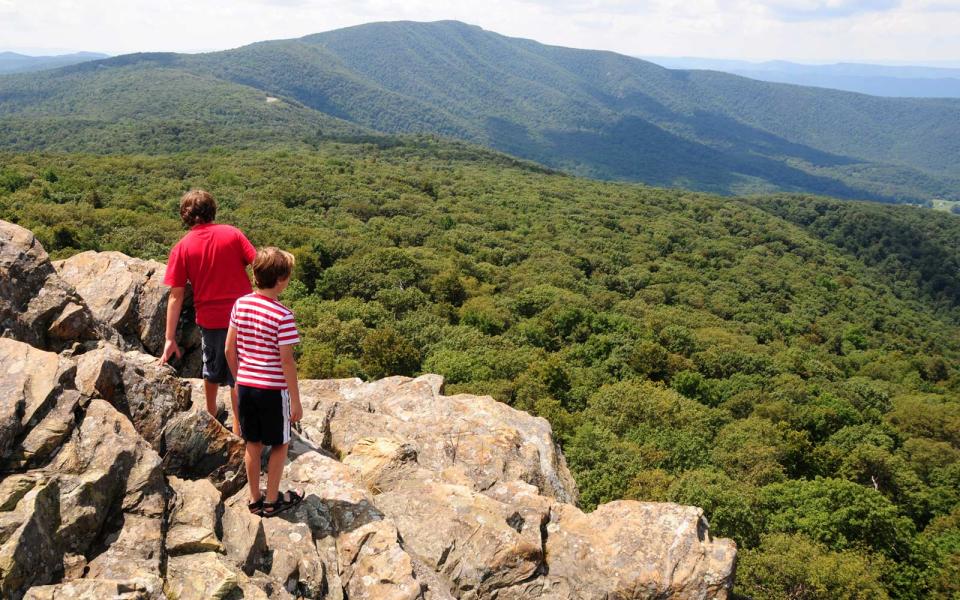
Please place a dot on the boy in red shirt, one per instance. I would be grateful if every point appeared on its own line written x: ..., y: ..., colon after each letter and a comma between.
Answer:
x: 213, y: 258
x: 260, y: 344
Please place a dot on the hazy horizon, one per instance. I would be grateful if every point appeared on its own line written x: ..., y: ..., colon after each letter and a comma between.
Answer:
x: 943, y: 63
x: 886, y: 32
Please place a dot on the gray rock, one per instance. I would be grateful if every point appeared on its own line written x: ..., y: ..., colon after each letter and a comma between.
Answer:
x: 243, y: 537
x: 92, y: 589
x: 30, y: 553
x: 195, y: 445
x: 32, y: 381
x: 484, y: 439
x: 133, y: 554
x: 49, y: 434
x: 192, y: 517
x: 36, y: 305
x: 465, y: 536
x: 104, y: 465
x: 137, y: 385
x: 128, y: 298
x: 204, y: 576
x: 629, y: 549
x: 374, y: 566
x: 13, y: 488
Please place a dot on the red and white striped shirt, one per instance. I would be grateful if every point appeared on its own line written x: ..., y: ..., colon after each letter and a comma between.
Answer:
x: 263, y: 325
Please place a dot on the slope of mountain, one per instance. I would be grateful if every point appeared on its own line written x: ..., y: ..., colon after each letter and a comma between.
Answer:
x: 144, y: 103
x: 12, y: 62
x: 876, y: 80
x: 588, y: 112
x: 918, y: 252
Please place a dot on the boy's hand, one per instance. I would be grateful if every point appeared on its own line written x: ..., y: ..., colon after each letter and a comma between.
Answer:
x: 296, y: 411
x: 170, y: 348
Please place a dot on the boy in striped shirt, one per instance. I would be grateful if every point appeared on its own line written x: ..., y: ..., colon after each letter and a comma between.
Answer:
x: 259, y: 349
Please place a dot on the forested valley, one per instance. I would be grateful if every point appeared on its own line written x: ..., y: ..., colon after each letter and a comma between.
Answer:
x: 788, y: 363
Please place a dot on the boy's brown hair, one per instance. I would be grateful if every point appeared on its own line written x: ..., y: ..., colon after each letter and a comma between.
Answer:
x: 272, y: 265
x: 197, y: 207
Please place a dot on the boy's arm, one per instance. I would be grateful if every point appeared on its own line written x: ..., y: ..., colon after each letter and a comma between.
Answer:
x: 249, y: 252
x: 289, y: 364
x: 231, y: 351
x: 174, y: 305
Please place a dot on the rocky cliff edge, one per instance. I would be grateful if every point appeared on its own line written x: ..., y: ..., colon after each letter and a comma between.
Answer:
x: 116, y: 483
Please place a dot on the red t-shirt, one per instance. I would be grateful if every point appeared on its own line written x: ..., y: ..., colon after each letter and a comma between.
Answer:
x: 213, y: 258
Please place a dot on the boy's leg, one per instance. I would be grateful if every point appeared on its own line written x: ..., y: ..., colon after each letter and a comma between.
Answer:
x: 251, y: 459
x: 253, y: 448
x: 278, y: 457
x: 210, y: 391
x: 216, y: 372
x: 277, y: 434
x: 235, y: 400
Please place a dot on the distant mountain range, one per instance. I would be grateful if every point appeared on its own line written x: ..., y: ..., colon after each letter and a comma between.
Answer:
x: 877, y: 80
x: 590, y: 113
x: 11, y: 62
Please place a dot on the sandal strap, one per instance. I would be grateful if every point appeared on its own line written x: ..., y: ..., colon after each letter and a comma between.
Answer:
x: 286, y: 499
x: 292, y: 496
x: 256, y: 507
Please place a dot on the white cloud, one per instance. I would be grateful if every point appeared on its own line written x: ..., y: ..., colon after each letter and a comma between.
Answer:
x: 816, y: 30
x: 812, y: 10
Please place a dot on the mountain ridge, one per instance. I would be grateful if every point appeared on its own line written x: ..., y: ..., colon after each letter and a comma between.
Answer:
x: 15, y: 62
x: 593, y: 113
x: 901, y: 81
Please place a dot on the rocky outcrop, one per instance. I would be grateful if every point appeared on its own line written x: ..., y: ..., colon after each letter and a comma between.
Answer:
x: 32, y: 381
x: 124, y: 293
x: 118, y: 484
x: 149, y: 393
x: 127, y: 298
x: 31, y: 550
x: 483, y: 440
x: 36, y: 305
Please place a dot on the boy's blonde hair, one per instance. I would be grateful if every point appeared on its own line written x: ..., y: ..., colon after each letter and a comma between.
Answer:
x: 272, y: 265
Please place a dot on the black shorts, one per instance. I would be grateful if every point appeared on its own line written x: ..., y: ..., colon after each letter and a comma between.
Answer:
x: 215, y: 367
x: 264, y: 415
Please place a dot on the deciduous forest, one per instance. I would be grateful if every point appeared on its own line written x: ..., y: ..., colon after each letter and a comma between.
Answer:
x: 788, y: 363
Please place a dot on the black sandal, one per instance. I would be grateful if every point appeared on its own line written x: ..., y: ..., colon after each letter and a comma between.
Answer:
x: 256, y: 508
x: 285, y: 501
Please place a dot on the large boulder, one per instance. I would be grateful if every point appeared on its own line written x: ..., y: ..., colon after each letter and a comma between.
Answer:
x: 137, y: 385
x: 126, y: 294
x: 476, y: 543
x: 195, y: 445
x: 128, y: 298
x: 105, y: 467
x: 486, y: 440
x: 46, y: 437
x: 192, y: 517
x: 133, y: 554
x: 629, y: 549
x: 32, y: 381
x: 336, y: 544
x: 29, y: 550
x: 91, y: 589
x: 36, y: 305
x: 205, y: 576
x: 372, y: 561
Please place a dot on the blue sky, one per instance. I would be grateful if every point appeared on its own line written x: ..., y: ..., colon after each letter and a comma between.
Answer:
x: 911, y: 31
